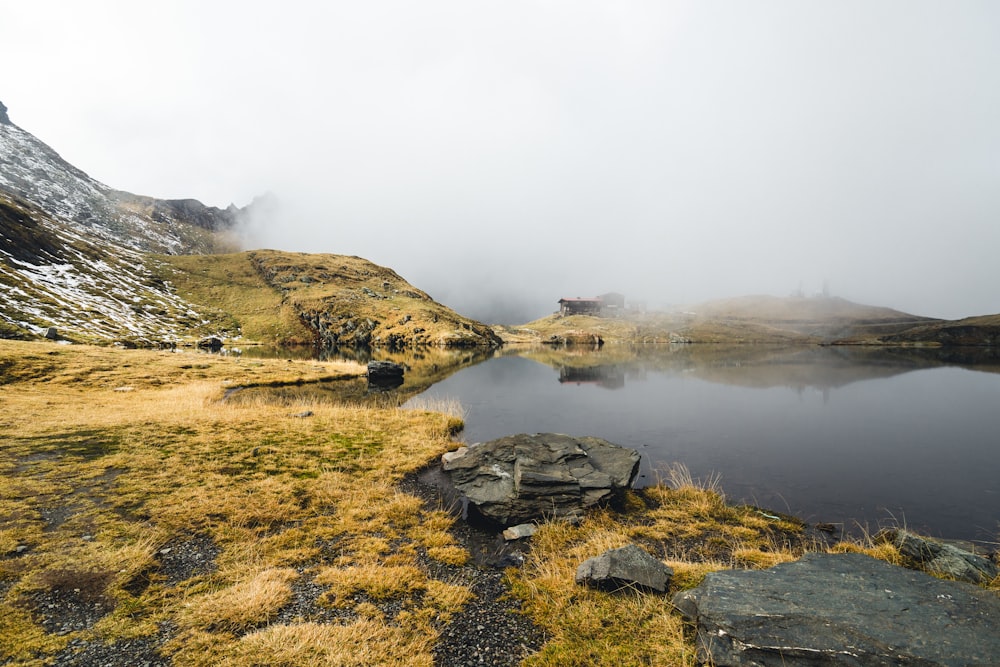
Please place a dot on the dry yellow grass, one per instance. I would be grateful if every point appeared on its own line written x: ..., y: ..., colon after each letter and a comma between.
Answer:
x: 113, y: 457
x: 98, y: 483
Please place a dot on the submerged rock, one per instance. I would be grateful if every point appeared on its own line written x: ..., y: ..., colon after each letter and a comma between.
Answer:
x: 521, y: 478
x: 841, y: 609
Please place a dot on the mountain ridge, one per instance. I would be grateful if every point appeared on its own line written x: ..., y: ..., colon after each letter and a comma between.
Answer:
x: 96, y: 264
x: 33, y: 171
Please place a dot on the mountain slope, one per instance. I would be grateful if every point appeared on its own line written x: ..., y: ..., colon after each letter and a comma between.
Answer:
x: 30, y: 170
x: 322, y: 299
x: 90, y: 290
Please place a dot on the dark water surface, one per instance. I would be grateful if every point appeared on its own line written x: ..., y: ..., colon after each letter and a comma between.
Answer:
x: 859, y: 437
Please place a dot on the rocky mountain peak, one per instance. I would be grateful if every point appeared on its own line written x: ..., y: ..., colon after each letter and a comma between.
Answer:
x: 32, y: 171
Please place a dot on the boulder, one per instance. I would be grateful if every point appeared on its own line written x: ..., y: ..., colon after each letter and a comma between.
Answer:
x: 385, y: 374
x: 841, y: 609
x: 522, y: 478
x: 628, y: 567
x: 941, y: 557
x: 51, y: 333
x: 211, y: 343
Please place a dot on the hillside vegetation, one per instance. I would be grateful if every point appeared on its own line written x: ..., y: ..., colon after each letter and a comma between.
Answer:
x: 330, y: 300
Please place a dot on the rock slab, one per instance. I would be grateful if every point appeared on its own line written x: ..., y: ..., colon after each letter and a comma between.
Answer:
x: 522, y: 478
x: 941, y: 557
x: 841, y: 609
x: 628, y: 567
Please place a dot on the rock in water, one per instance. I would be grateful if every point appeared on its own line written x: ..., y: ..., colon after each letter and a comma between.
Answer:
x: 841, y: 609
x: 210, y: 343
x: 627, y: 567
x: 385, y: 374
x: 521, y: 478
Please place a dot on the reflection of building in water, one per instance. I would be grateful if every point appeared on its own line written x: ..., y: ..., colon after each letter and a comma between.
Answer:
x: 609, y: 377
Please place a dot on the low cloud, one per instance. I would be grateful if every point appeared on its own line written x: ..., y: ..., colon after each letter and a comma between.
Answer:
x: 503, y: 156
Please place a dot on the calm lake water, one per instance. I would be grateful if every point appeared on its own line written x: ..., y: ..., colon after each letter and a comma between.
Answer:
x: 861, y: 438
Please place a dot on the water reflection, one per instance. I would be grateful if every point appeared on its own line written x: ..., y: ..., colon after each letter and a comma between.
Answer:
x: 761, y: 366
x: 609, y: 377
x: 422, y: 369
x: 846, y: 435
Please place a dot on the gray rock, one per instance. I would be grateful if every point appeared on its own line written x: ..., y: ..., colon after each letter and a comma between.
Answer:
x: 627, y: 567
x: 384, y: 369
x: 385, y: 374
x: 51, y: 333
x: 841, y: 609
x: 210, y: 343
x: 519, y: 531
x: 941, y: 557
x: 522, y: 478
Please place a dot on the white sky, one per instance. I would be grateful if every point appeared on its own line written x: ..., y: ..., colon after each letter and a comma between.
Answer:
x: 501, y: 155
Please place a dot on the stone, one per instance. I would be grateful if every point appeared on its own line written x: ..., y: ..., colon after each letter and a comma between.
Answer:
x: 51, y: 333
x: 841, y: 609
x: 522, y: 478
x: 941, y: 557
x: 519, y: 531
x: 210, y: 343
x: 385, y: 374
x: 629, y: 567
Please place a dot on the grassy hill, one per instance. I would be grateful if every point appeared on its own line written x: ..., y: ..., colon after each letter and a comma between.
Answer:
x: 333, y: 300
x: 749, y: 319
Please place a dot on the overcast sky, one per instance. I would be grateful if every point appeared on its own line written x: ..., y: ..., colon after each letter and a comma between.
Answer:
x: 501, y: 155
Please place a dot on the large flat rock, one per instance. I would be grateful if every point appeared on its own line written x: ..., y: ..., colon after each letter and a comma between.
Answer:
x: 526, y: 477
x: 841, y: 609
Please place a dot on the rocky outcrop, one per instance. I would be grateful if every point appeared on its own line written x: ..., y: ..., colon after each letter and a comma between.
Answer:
x: 4, y: 118
x: 349, y: 302
x: 841, y: 609
x: 521, y: 478
x: 940, y: 557
x: 32, y: 171
x: 629, y: 567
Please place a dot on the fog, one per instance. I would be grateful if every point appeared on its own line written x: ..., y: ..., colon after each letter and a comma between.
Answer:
x: 501, y: 155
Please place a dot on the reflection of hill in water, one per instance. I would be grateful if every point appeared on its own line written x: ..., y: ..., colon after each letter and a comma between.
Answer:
x: 761, y: 365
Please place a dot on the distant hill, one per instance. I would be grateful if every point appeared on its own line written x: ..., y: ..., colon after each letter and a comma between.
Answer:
x: 969, y: 332
x: 823, y: 319
x: 770, y: 320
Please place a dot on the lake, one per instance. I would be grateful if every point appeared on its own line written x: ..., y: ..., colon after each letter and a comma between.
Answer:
x: 859, y: 437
